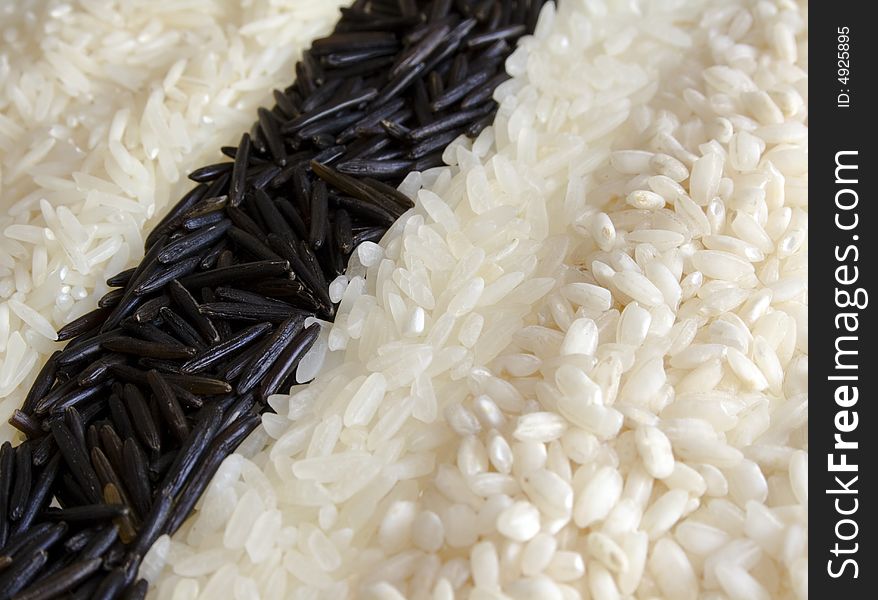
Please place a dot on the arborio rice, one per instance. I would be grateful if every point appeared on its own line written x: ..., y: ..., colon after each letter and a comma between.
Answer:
x: 578, y: 368
x: 102, y: 107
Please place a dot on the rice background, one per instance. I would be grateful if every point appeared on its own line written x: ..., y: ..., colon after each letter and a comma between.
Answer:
x: 104, y: 106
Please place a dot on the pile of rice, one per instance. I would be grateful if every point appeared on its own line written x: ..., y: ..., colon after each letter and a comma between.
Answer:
x: 104, y: 106
x: 578, y: 368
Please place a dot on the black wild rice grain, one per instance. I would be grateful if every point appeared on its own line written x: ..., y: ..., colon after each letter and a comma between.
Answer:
x: 111, y: 445
x: 454, y: 94
x: 159, y: 277
x: 21, y: 572
x: 259, y: 366
x: 84, y: 323
x: 365, y: 210
x: 134, y: 475
x: 394, y: 130
x: 25, y: 424
x: 111, y: 585
x: 39, y: 537
x: 239, y: 171
x: 193, y: 197
x: 420, y: 51
x: 330, y: 155
x: 193, y: 447
x: 39, y: 495
x: 89, y: 512
x: 202, y: 221
x: 58, y: 583
x: 42, y: 384
x: 235, y: 295
x: 181, y: 329
x: 353, y: 41
x: 7, y: 464
x: 130, y: 345
x: 22, y: 482
x: 232, y: 369
x: 206, y: 386
x: 111, y: 298
x: 269, y: 126
x: 236, y: 273
x: 329, y: 110
x: 121, y: 278
x: 78, y: 541
x: 75, y: 456
x: 210, y: 172
x: 43, y: 450
x: 168, y: 404
x: 136, y: 591
x: 100, y: 543
x: 251, y: 245
x: 21, y: 486
x: 139, y: 413
x: 241, y: 311
x: 343, y: 232
x: 224, y: 349
x: 188, y: 304
x: 319, y: 216
x: 119, y: 416
x: 149, y: 310
x: 257, y: 143
x: 76, y: 396
x: 431, y: 145
x: 74, y: 422
x: 149, y: 332
x: 288, y: 360
x: 242, y: 406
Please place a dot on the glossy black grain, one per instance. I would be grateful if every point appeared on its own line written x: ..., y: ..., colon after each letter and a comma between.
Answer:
x: 190, y: 308
x: 259, y: 366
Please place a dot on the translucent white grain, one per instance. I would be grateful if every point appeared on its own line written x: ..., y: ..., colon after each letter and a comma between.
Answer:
x: 705, y: 177
x: 672, y: 571
x: 739, y: 584
x: 638, y: 287
x: 602, y: 231
x: 668, y: 166
x: 631, y: 162
x: 721, y: 265
x: 540, y: 427
x: 664, y: 513
x: 589, y: 296
x: 746, y: 370
x: 366, y: 400
x: 466, y: 298
x: 597, y: 497
x: 581, y: 338
x: 32, y: 318
x: 745, y: 150
x: 519, y: 522
x: 538, y: 553
x: 655, y: 451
